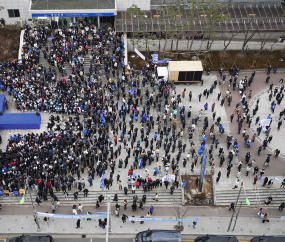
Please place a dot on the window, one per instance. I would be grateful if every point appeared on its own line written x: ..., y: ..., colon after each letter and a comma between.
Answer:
x: 13, y: 13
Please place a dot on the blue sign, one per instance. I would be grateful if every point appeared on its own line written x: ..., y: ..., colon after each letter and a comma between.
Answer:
x: 163, y: 61
x: 203, y: 166
x: 163, y: 219
x: 35, y: 15
x: 51, y: 215
x: 282, y: 218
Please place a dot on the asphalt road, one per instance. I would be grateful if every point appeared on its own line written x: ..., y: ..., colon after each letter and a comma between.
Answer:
x: 185, y: 238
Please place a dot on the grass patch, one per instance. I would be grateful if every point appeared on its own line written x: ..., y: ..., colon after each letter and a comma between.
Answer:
x: 10, y: 41
x: 252, y: 60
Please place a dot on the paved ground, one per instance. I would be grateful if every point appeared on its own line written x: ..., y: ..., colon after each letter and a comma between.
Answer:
x: 276, y: 167
x: 16, y: 220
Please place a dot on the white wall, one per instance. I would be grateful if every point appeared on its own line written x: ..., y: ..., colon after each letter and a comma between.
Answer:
x: 217, y: 45
x: 22, y: 5
x: 122, y: 5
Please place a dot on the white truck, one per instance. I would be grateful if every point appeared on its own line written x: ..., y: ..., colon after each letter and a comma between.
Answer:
x: 161, y: 73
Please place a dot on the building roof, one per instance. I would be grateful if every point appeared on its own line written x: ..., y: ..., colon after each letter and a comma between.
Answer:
x: 72, y: 4
x: 264, y: 16
x: 185, y: 66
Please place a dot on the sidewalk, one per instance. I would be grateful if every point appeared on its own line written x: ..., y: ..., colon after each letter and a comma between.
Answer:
x: 210, y: 221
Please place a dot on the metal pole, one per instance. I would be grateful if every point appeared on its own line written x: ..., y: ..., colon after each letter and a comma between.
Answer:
x: 35, y: 213
x: 37, y: 221
x: 108, y: 219
x: 32, y: 201
x: 237, y: 216
x: 230, y: 224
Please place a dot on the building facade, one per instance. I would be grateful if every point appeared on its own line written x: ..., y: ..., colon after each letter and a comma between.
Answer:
x: 95, y: 12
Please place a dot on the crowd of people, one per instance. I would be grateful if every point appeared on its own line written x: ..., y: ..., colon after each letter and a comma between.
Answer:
x: 97, y: 113
x: 91, y: 112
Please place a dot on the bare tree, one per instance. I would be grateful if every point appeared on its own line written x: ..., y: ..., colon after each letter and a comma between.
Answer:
x: 227, y: 38
x: 263, y: 40
x: 249, y: 33
x: 180, y: 212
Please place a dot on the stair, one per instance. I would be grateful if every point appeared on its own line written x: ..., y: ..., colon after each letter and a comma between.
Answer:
x: 225, y: 197
x: 164, y: 197
x: 67, y: 66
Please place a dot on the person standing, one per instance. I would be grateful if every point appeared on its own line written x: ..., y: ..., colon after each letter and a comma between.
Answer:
x: 255, y: 179
x: 232, y: 117
x: 248, y: 168
x: 262, y: 172
x: 78, y: 223
x: 183, y: 93
x: 259, y: 150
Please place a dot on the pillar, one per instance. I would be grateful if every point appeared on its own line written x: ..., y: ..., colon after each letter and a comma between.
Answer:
x: 98, y: 21
x: 125, y: 48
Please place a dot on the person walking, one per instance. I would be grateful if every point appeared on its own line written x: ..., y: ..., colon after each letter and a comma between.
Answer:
x: 151, y: 210
x: 125, y: 204
x: 232, y: 206
x: 282, y: 205
x: 283, y: 184
x: 265, y: 218
x: 38, y: 201
x: 237, y: 184
x: 124, y: 218
x: 265, y: 181
x: 78, y: 223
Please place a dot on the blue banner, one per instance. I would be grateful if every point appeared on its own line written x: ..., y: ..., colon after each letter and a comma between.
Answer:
x: 163, y: 219
x: 275, y: 178
x: 35, y: 15
x: 51, y: 215
x: 154, y: 58
x: 102, y: 181
x: 203, y: 166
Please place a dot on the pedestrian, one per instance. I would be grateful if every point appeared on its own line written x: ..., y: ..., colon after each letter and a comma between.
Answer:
x: 155, y: 198
x: 53, y: 207
x: 265, y: 218
x: 259, y: 150
x: 261, y: 173
x: 125, y: 204
x: 78, y: 224
x: 124, y: 218
x: 255, y: 179
x: 237, y: 184
x: 283, y: 184
x: 80, y: 207
x: 151, y: 210
x: 232, y: 206
x: 265, y: 181
x: 248, y: 168
x: 38, y: 201
x: 282, y: 205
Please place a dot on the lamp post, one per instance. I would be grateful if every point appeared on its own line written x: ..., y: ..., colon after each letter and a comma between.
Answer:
x: 232, y: 217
